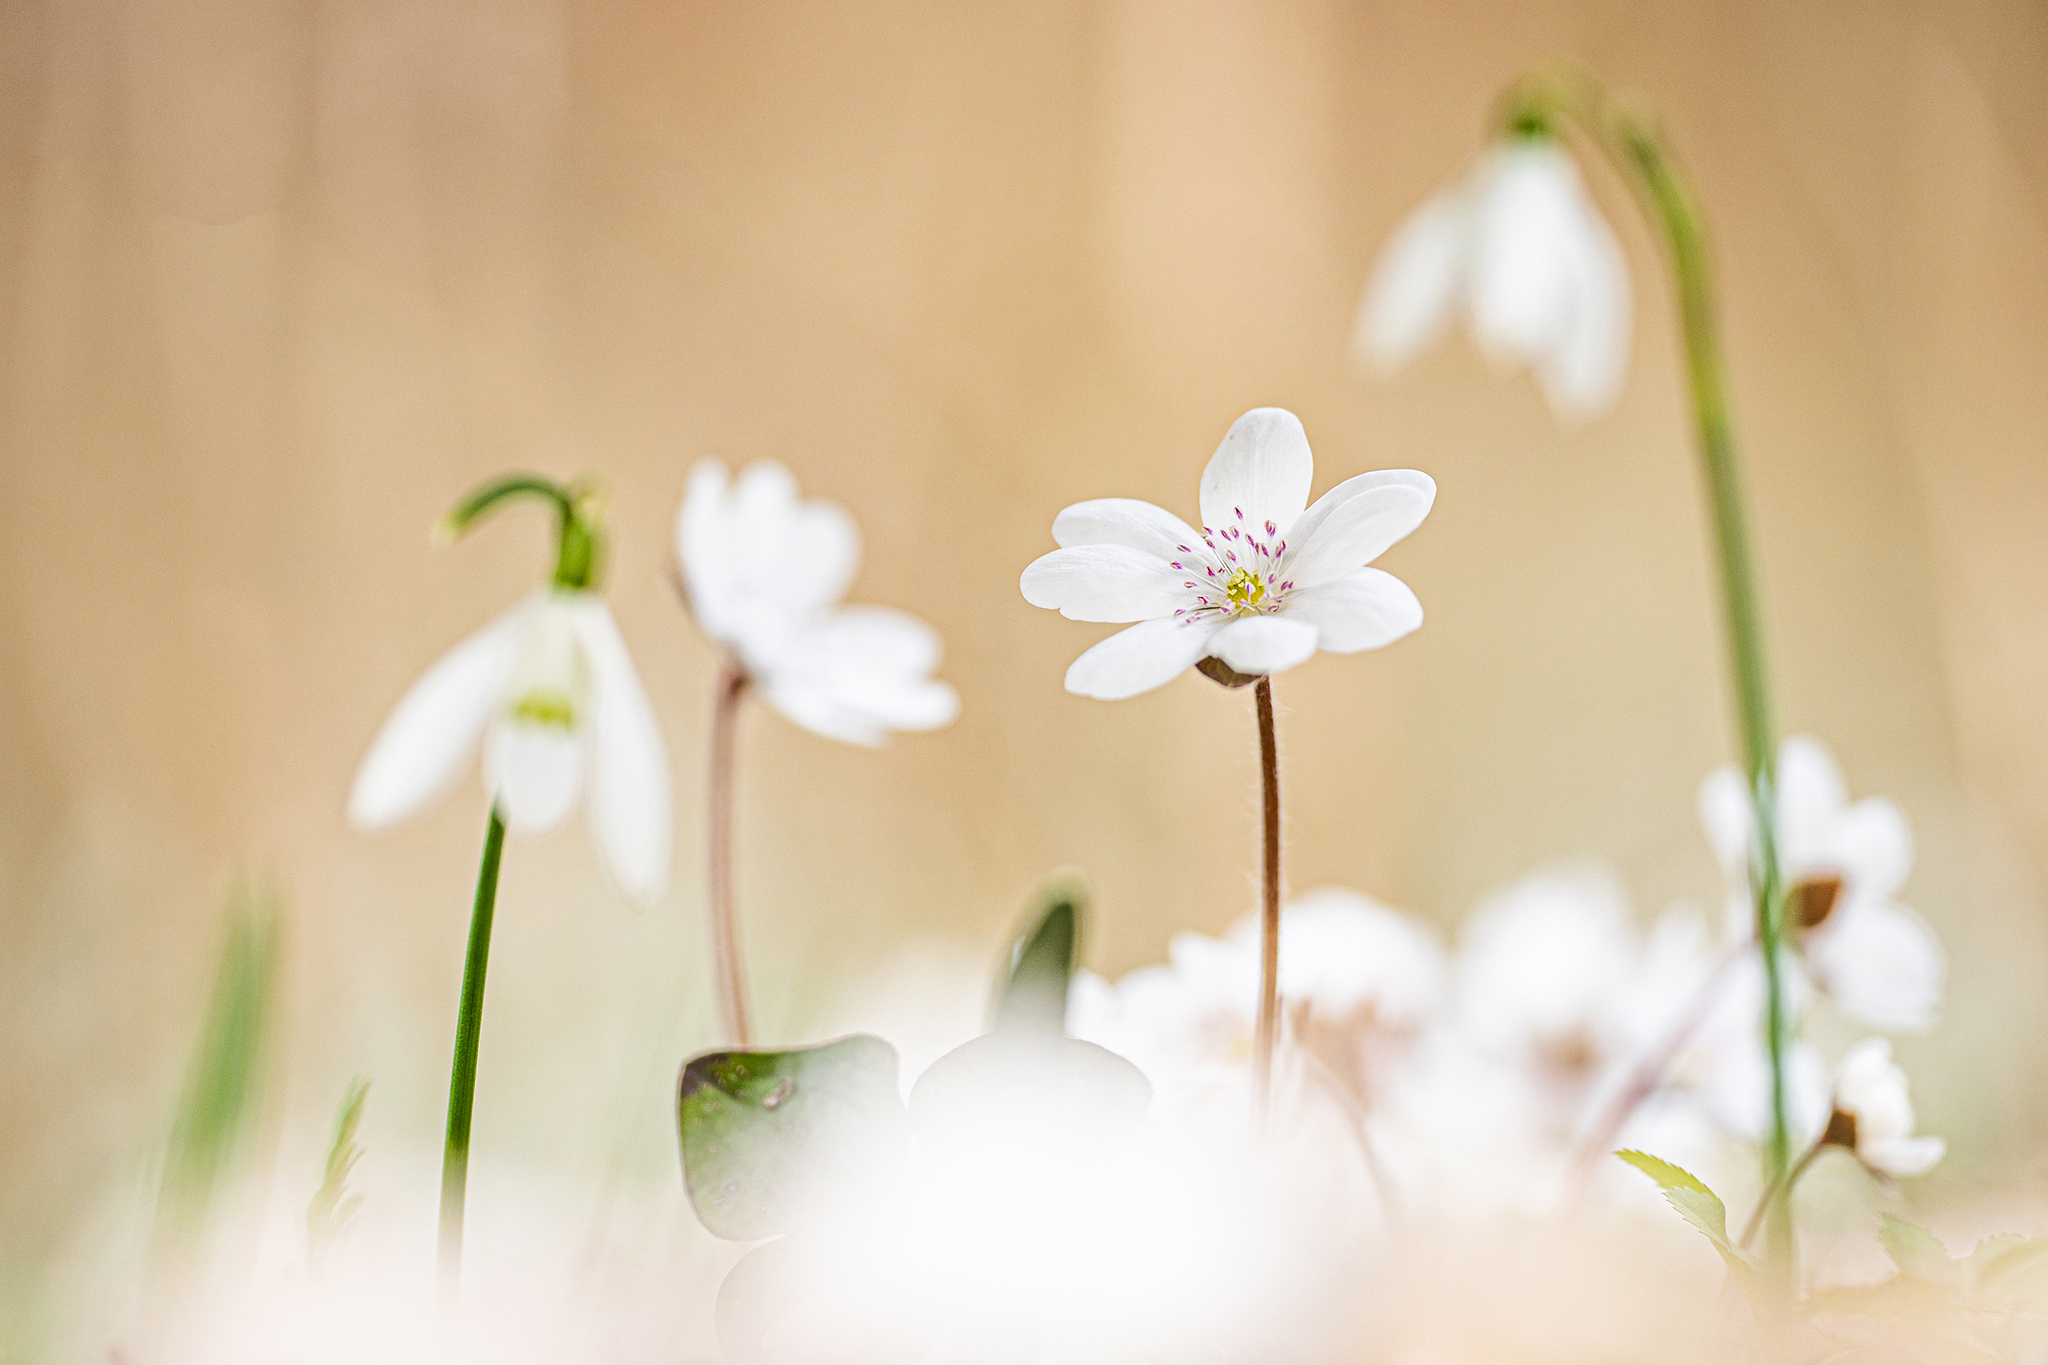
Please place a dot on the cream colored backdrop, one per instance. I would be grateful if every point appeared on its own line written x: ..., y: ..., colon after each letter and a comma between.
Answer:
x: 280, y: 281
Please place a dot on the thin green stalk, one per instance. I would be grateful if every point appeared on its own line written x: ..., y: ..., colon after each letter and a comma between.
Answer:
x: 469, y: 1026
x: 1669, y: 200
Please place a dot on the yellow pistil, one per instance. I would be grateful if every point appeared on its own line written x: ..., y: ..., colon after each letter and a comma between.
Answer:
x: 1244, y: 588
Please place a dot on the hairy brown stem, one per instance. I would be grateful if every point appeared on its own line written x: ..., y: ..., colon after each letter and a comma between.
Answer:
x: 725, y: 940
x: 1269, y: 910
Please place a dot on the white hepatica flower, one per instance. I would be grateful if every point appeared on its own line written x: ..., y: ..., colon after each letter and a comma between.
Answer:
x: 1265, y: 583
x: 1843, y: 864
x: 1520, y: 247
x: 549, y: 691
x: 1358, y: 984
x: 1873, y: 1114
x: 765, y: 570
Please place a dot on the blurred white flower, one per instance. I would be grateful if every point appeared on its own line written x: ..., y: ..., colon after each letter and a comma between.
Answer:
x: 1843, y: 863
x: 1519, y: 246
x: 549, y: 690
x: 1262, y: 586
x: 1873, y: 1114
x: 764, y: 570
x: 1358, y: 984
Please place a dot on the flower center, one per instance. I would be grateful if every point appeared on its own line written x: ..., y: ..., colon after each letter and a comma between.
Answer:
x: 1239, y: 572
x: 1244, y: 589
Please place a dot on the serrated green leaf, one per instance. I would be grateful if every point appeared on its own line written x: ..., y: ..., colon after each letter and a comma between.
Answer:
x: 1670, y: 1177
x: 1041, y: 963
x: 774, y: 1140
x: 1919, y: 1253
x: 1699, y: 1206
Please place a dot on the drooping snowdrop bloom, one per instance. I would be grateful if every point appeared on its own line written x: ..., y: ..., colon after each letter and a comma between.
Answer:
x: 550, y: 694
x: 765, y: 570
x: 1519, y: 247
x: 1265, y: 583
x: 1843, y: 863
x: 1873, y: 1114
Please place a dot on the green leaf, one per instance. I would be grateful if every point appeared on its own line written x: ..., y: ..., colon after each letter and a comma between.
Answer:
x: 774, y: 1140
x: 219, y: 1109
x: 1919, y: 1253
x: 1699, y: 1206
x: 333, y: 1203
x: 2011, y: 1273
x: 1034, y: 990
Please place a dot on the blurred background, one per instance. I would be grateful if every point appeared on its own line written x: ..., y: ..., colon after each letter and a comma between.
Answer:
x: 281, y: 281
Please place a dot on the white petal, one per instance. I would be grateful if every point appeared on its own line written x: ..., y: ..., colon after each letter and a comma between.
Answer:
x: 701, y: 549
x: 1873, y: 844
x: 1146, y: 656
x: 1881, y: 963
x: 1527, y: 231
x: 1414, y: 284
x: 799, y: 554
x: 1810, y: 795
x: 1729, y: 820
x: 1905, y: 1157
x: 1582, y: 375
x: 864, y: 710
x: 631, y: 804
x: 859, y: 673
x: 535, y: 774
x: 1125, y: 521
x: 759, y: 560
x: 1264, y: 644
x: 1260, y: 473
x: 882, y: 638
x: 432, y: 733
x: 1105, y: 583
x: 1365, y: 611
x: 818, y: 711
x: 1309, y: 522
x: 1355, y: 532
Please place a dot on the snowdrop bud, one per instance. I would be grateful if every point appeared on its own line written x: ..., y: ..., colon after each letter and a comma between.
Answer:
x: 1873, y: 1114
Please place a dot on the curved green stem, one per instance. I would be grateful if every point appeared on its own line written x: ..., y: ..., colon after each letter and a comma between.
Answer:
x: 578, y: 541
x: 1668, y: 199
x: 469, y: 1027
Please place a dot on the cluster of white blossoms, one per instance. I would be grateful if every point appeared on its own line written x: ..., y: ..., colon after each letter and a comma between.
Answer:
x: 549, y: 693
x: 1502, y: 1069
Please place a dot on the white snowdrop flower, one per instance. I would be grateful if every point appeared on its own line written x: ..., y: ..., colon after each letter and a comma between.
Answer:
x: 1843, y: 864
x: 765, y: 570
x: 1873, y: 1114
x: 1519, y: 247
x: 550, y: 694
x: 1265, y: 583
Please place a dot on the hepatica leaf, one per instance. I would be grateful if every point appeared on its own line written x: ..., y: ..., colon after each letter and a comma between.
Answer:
x: 773, y: 1141
x: 1034, y: 990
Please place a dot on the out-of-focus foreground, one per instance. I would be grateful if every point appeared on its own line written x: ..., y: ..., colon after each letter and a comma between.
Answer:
x: 281, y: 281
